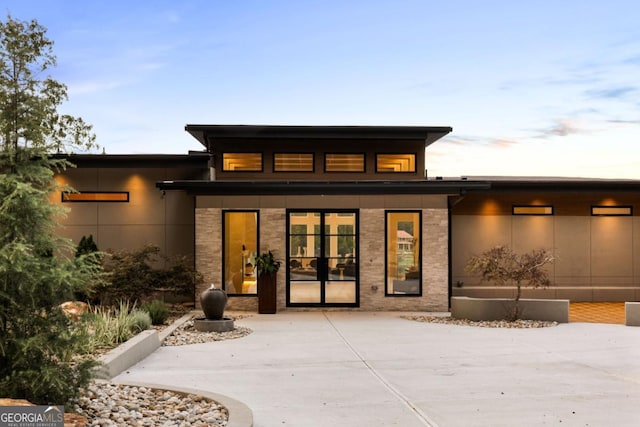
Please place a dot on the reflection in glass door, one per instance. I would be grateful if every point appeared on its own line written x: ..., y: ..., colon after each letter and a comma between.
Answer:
x: 322, y: 267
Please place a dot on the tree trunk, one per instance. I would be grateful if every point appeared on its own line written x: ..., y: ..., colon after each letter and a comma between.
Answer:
x: 516, y: 307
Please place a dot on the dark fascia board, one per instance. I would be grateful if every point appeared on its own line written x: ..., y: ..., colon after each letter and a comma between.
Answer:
x: 562, y: 186
x: 428, y: 134
x: 244, y: 188
x: 195, y: 160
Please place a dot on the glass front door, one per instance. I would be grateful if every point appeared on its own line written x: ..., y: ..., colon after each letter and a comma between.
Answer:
x: 322, y: 258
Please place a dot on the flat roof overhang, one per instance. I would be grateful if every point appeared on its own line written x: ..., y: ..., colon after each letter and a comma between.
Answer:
x: 561, y: 185
x: 255, y: 188
x: 208, y: 133
x: 195, y: 159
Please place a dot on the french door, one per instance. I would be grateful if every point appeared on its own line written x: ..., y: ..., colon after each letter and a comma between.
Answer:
x: 322, y: 258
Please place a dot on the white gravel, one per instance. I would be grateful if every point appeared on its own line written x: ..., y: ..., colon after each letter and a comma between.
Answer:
x: 483, y: 323
x: 106, y: 404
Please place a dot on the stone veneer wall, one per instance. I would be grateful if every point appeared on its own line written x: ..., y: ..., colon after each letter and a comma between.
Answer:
x: 208, y: 231
x: 209, y: 252
x: 435, y: 263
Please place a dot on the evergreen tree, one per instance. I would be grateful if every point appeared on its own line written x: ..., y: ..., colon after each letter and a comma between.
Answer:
x: 86, y: 246
x: 38, y: 270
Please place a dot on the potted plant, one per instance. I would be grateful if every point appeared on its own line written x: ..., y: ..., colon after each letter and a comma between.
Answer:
x: 266, y: 263
x: 266, y: 266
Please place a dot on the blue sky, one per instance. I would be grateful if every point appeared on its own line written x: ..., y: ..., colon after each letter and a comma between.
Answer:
x: 530, y: 87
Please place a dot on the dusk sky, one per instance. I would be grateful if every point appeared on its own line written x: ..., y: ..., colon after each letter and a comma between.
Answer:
x: 530, y: 87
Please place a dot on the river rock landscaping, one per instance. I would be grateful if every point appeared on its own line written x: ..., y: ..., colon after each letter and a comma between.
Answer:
x: 108, y: 404
x: 448, y: 320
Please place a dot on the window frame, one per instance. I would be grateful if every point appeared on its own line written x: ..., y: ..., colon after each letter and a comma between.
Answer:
x: 364, y: 162
x: 387, y: 215
x: 629, y: 207
x: 224, y: 243
x: 514, y: 209
x: 64, y: 196
x: 313, y: 162
x: 223, y: 169
x: 415, y: 163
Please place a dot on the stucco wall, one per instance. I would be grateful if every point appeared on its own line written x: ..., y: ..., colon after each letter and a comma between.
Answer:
x: 165, y: 220
x: 596, y: 258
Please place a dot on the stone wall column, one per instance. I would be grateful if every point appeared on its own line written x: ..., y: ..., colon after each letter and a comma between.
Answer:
x: 208, y: 231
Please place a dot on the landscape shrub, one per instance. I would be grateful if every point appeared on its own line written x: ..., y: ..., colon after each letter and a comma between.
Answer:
x: 134, y: 275
x: 158, y: 311
x: 109, y: 326
x: 140, y: 321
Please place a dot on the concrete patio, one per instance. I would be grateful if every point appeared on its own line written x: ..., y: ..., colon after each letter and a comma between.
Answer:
x: 378, y: 369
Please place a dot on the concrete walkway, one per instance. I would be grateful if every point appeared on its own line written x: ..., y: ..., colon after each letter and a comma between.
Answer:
x: 357, y: 369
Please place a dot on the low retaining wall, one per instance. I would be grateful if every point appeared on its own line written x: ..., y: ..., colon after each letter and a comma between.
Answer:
x: 478, y: 309
x: 572, y: 293
x: 127, y: 354
x: 632, y: 313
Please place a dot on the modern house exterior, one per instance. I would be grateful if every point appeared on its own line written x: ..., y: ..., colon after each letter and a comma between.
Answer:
x: 353, y: 217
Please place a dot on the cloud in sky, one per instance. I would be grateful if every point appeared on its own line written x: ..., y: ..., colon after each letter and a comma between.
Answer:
x: 620, y: 92
x: 510, y: 78
x: 563, y: 127
x: 92, y: 86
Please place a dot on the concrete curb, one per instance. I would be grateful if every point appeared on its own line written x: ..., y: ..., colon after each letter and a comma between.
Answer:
x: 134, y: 350
x: 175, y: 325
x: 632, y: 313
x: 142, y: 345
x: 239, y: 414
x: 127, y: 354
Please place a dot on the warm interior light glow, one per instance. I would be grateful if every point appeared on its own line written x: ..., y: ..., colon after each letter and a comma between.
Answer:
x: 95, y: 196
x: 242, y: 162
x: 396, y: 163
x: 611, y: 210
x: 532, y: 210
x: 293, y: 162
x: 344, y: 162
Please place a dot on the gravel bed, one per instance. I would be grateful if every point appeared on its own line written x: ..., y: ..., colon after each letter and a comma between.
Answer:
x: 483, y: 323
x: 106, y: 404
x: 186, y: 334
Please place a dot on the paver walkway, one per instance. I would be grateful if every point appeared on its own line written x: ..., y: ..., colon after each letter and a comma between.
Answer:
x: 597, y: 312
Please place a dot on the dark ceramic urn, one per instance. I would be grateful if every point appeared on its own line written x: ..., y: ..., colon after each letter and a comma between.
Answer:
x: 213, y: 301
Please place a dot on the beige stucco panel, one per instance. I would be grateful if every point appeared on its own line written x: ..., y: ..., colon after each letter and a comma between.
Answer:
x: 150, y: 216
x: 146, y: 204
x: 636, y: 250
x: 532, y: 233
x: 472, y: 235
x: 119, y: 237
x: 611, y: 247
x: 572, y: 250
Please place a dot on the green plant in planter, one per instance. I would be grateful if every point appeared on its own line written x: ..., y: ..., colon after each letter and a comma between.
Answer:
x: 266, y: 263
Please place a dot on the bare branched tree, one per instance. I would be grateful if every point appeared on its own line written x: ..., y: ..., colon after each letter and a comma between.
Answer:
x: 504, y: 267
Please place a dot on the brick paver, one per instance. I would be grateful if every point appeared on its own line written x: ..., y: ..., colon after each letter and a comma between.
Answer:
x: 597, y: 312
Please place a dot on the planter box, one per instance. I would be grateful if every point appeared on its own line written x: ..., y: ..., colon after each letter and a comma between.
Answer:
x: 478, y: 309
x: 267, y: 293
